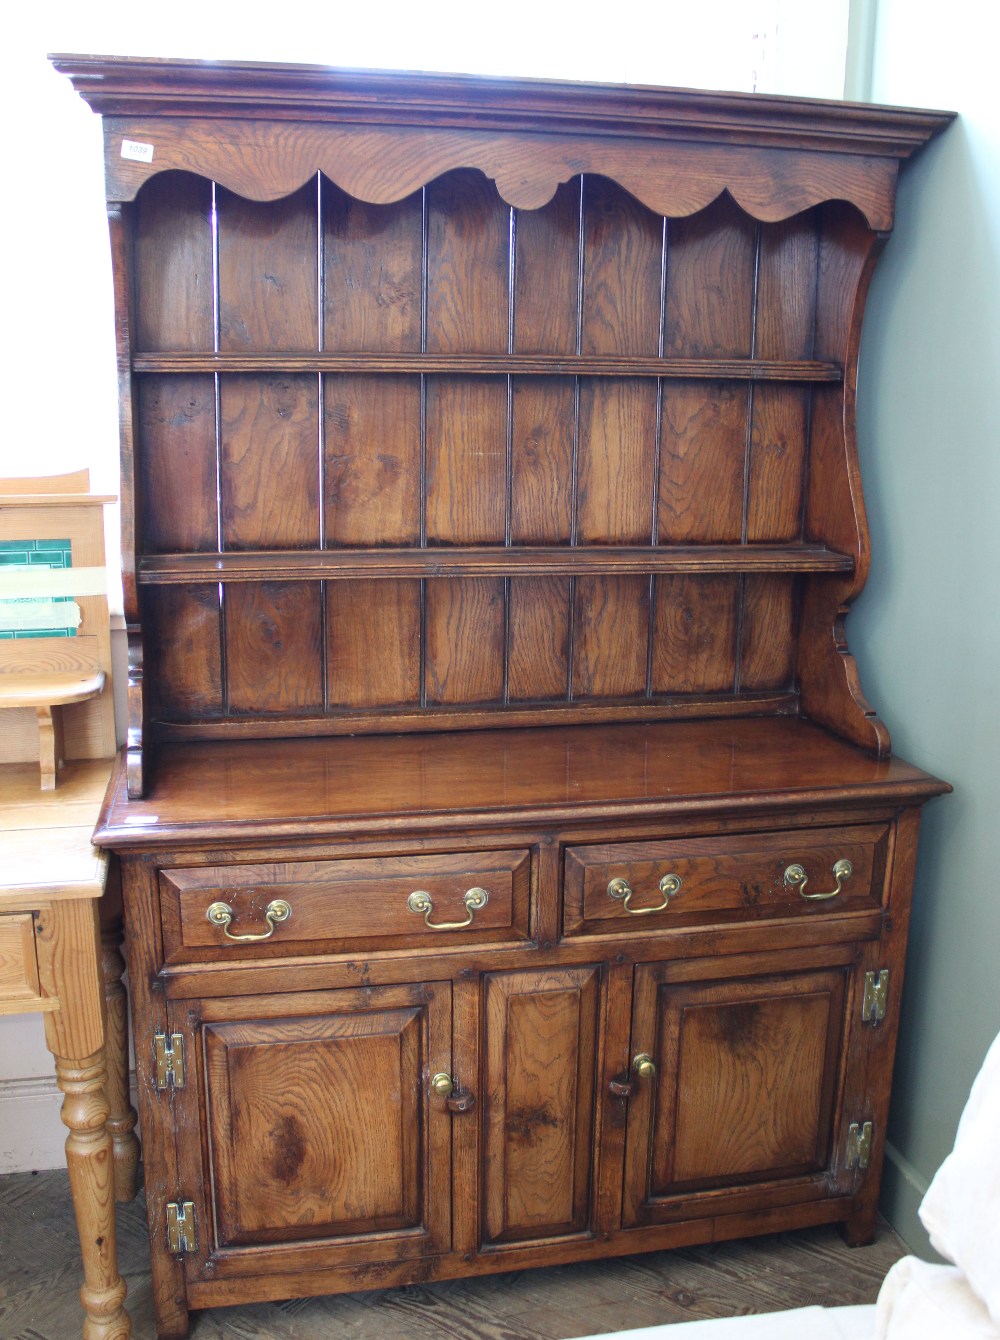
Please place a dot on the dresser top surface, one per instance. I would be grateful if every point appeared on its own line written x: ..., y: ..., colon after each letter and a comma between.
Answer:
x: 259, y: 789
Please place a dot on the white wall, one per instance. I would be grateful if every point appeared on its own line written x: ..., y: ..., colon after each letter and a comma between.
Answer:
x: 927, y: 629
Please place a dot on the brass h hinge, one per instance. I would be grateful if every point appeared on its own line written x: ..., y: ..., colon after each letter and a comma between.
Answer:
x: 182, y: 1233
x: 873, y: 1002
x: 169, y: 1054
x: 859, y: 1145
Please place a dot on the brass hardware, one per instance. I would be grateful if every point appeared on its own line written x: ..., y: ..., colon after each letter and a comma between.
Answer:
x: 643, y: 1066
x: 796, y: 878
x: 420, y: 901
x: 169, y: 1056
x: 182, y: 1232
x: 442, y: 1084
x: 221, y: 914
x: 623, y: 891
x: 874, y: 1001
x: 859, y: 1145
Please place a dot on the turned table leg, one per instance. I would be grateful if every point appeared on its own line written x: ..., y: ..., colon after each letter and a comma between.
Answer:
x: 92, y: 1181
x: 67, y: 937
x: 122, y: 1115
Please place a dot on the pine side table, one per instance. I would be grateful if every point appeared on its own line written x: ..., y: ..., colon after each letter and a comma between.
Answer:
x: 60, y: 930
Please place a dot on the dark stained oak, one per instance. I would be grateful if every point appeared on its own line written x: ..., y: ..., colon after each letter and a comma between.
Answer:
x: 676, y: 767
x: 538, y: 1096
x: 491, y: 515
x: 490, y: 560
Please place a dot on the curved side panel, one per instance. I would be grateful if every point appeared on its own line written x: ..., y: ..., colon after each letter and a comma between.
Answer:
x: 263, y: 160
x: 835, y: 509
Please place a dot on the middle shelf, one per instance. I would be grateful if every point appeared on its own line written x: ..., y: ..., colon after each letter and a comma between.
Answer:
x: 487, y: 561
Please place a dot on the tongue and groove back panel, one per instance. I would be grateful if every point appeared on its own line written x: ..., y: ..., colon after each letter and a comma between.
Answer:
x: 486, y: 451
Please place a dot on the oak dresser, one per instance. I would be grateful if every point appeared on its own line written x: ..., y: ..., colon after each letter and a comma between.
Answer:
x: 514, y: 871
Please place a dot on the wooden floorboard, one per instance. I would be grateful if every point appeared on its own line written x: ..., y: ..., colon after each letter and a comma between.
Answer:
x: 40, y: 1279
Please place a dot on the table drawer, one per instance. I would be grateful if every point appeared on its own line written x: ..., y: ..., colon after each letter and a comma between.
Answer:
x: 700, y: 881
x: 19, y: 988
x: 296, y: 907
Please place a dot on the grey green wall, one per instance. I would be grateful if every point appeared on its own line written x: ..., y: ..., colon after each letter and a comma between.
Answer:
x: 926, y: 631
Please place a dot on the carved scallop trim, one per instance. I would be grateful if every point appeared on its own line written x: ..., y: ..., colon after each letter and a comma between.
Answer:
x: 268, y: 160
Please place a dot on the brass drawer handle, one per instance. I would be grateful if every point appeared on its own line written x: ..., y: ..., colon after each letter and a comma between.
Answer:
x: 221, y: 914
x: 420, y: 901
x: 796, y: 878
x: 622, y: 890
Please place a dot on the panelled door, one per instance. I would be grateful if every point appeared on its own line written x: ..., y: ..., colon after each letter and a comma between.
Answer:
x: 740, y: 1070
x: 309, y: 1135
x: 540, y: 1054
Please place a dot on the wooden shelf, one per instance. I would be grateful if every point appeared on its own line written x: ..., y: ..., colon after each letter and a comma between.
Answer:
x: 495, y: 365
x: 486, y: 561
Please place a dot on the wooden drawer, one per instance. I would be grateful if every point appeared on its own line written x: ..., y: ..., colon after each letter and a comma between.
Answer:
x: 346, y: 906
x: 740, y: 878
x: 19, y: 988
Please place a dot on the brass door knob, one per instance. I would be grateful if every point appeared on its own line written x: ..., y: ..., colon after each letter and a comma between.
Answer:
x: 442, y: 1084
x: 643, y: 1066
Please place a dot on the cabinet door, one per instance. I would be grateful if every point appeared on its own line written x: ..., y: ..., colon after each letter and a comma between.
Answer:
x: 539, y: 1062
x: 309, y: 1128
x: 754, y: 1064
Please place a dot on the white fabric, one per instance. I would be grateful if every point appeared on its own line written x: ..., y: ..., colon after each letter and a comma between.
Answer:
x: 961, y: 1210
x: 804, y: 1323
x: 920, y: 1301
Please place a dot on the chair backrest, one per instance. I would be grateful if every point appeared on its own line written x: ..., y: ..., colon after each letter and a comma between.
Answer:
x: 54, y: 606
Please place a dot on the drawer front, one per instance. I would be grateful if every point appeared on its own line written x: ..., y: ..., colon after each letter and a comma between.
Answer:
x: 706, y: 880
x: 19, y: 988
x: 345, y: 906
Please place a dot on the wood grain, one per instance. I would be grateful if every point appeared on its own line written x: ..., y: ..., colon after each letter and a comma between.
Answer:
x: 177, y: 486
x: 270, y: 430
x: 468, y: 261
x: 184, y: 651
x: 610, y: 637
x: 616, y: 455
x: 710, y: 283
x: 345, y: 905
x: 538, y: 615
x: 174, y: 282
x: 694, y: 634
x: 546, y: 274
x: 268, y: 271
x: 464, y: 640
x: 273, y: 648
x: 372, y: 460
x: 373, y: 643
x: 778, y: 438
x: 541, y: 487
x: 702, y: 463
x: 538, y: 1099
x: 767, y: 649
x: 622, y: 262
x: 466, y: 453
x: 372, y: 273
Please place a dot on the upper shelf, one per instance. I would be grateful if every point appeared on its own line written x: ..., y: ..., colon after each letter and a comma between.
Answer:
x: 521, y: 365
x: 487, y: 561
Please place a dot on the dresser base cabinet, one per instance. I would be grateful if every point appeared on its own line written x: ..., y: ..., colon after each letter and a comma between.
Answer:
x: 322, y: 1119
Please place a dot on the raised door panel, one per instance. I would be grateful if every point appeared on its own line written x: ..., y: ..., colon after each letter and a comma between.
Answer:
x: 742, y: 1110
x: 540, y: 1057
x: 319, y: 1138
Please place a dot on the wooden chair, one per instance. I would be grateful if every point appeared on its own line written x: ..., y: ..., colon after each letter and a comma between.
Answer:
x: 56, y: 688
